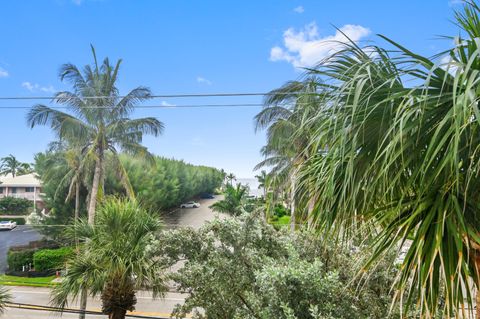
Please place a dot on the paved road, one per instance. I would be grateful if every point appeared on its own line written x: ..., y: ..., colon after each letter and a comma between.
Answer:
x: 146, y: 306
x: 193, y: 217
x: 18, y: 236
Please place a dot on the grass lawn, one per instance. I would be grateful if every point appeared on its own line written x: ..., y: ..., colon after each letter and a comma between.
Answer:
x: 282, y: 221
x: 25, y: 281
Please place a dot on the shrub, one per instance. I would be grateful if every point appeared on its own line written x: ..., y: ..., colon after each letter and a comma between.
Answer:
x: 17, y: 259
x: 46, y: 259
x: 14, y: 206
x: 19, y: 221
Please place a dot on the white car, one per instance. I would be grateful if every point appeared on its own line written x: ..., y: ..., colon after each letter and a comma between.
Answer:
x: 191, y: 204
x: 7, y: 225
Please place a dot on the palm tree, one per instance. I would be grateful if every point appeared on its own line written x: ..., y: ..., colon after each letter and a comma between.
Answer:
x: 4, y: 299
x: 98, y: 122
x: 67, y: 158
x: 234, y: 201
x: 283, y: 116
x: 230, y: 178
x: 262, y: 182
x: 10, y: 165
x: 402, y: 162
x: 115, y: 260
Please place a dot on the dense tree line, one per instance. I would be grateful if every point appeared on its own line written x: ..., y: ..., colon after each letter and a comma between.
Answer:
x: 159, y: 185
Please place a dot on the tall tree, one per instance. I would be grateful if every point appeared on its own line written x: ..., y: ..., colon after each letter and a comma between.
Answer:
x: 283, y: 116
x: 10, y: 165
x: 115, y: 259
x: 98, y: 120
x: 234, y: 201
x: 230, y: 178
x: 395, y: 152
x: 262, y: 182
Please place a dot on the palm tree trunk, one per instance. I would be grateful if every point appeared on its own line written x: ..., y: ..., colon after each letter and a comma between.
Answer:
x: 118, y: 313
x: 83, y: 303
x: 77, y: 200
x: 95, y: 186
x: 311, y: 206
x: 292, y: 203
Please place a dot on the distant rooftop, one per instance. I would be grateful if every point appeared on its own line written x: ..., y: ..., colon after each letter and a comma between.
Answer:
x: 27, y: 180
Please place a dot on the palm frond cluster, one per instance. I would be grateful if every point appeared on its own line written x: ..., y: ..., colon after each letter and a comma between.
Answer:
x: 388, y: 140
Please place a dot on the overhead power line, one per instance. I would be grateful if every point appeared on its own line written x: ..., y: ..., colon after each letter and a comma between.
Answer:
x: 164, y: 96
x: 147, y: 106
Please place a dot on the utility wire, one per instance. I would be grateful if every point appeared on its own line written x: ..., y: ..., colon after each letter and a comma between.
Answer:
x: 157, y: 96
x: 148, y: 106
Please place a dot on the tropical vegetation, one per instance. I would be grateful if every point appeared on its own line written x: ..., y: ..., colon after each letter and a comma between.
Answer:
x: 14, y: 206
x: 10, y: 165
x: 98, y: 122
x: 384, y: 141
x: 4, y: 299
x: 241, y: 267
x: 161, y: 186
x: 234, y: 202
x: 114, y: 258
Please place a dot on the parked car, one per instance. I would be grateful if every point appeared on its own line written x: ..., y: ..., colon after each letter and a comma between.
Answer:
x: 207, y: 196
x: 190, y: 204
x: 7, y: 225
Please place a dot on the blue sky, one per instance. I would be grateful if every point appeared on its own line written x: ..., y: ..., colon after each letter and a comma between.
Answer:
x: 192, y: 47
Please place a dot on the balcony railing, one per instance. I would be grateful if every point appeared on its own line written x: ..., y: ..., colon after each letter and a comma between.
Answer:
x: 29, y: 196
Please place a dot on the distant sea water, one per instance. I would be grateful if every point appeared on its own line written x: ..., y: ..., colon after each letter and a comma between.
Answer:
x: 252, y: 183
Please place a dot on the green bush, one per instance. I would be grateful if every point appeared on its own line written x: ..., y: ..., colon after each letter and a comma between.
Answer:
x: 17, y: 259
x: 280, y: 210
x: 46, y: 259
x: 20, y: 221
x: 14, y: 206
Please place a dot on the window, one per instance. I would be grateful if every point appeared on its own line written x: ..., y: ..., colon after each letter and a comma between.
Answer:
x: 1, y: 190
x: 14, y: 190
x: 29, y: 190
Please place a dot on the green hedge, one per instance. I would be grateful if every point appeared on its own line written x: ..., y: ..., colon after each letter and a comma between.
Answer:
x: 14, y: 206
x: 17, y: 259
x: 20, y: 221
x: 46, y: 259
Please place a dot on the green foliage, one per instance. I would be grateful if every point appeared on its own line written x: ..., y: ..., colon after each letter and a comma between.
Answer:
x: 10, y: 165
x: 169, y: 182
x: 115, y: 258
x: 243, y: 268
x: 14, y: 206
x: 19, y: 221
x: 17, y: 259
x: 5, y: 297
x: 279, y: 210
x: 235, y: 202
x: 386, y: 142
x: 47, y: 259
x: 161, y: 186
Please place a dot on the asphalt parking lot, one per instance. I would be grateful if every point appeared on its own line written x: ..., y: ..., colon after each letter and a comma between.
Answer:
x: 18, y: 236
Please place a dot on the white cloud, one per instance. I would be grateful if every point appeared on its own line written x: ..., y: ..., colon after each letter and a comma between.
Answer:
x: 299, y: 9
x: 306, y: 48
x: 455, y: 2
x: 35, y: 87
x: 166, y: 104
x: 77, y: 2
x: 3, y: 73
x: 203, y: 80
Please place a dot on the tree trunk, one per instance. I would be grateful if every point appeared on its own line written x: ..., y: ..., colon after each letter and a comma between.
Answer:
x: 95, y: 186
x: 292, y: 204
x: 311, y: 206
x: 83, y: 303
x: 117, y: 313
x: 77, y: 199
